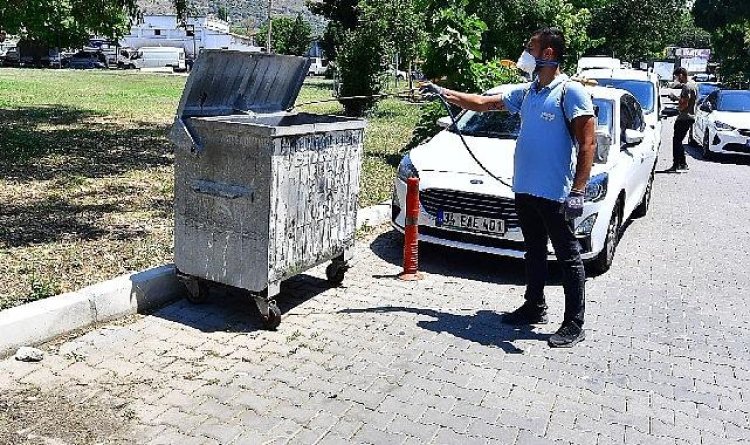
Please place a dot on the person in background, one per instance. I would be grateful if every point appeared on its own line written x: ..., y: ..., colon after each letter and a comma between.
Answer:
x: 686, y: 105
x: 553, y: 159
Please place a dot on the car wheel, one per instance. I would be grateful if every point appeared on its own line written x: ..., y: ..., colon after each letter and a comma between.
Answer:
x: 643, y: 206
x: 707, y: 153
x: 602, y: 263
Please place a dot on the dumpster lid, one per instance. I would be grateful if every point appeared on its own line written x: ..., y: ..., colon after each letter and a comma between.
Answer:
x: 225, y: 82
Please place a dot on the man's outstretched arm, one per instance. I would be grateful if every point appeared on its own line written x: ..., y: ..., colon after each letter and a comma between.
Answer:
x: 467, y: 101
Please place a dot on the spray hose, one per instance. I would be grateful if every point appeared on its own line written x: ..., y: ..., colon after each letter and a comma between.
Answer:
x: 409, y: 94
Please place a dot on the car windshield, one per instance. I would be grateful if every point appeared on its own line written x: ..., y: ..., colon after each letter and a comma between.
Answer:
x: 642, y: 90
x: 491, y: 124
x: 737, y: 101
x: 505, y: 125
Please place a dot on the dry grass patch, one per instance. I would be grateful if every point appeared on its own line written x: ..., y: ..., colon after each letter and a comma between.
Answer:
x: 87, y: 185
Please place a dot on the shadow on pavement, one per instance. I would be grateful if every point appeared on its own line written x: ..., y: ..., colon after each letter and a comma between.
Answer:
x: 717, y: 158
x: 233, y: 310
x: 484, y: 327
x: 459, y: 263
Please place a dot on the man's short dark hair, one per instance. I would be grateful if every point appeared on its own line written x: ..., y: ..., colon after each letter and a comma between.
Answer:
x: 681, y: 71
x: 551, y: 38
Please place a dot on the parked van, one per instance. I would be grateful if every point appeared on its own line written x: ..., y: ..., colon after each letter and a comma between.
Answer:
x: 318, y: 66
x: 160, y: 57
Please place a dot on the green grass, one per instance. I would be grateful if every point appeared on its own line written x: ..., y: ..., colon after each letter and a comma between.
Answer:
x: 87, y: 173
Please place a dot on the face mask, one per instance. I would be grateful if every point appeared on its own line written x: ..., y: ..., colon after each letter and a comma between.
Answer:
x: 529, y: 63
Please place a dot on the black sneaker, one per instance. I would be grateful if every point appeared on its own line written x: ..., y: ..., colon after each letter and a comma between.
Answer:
x: 568, y: 335
x: 526, y: 314
x: 677, y: 169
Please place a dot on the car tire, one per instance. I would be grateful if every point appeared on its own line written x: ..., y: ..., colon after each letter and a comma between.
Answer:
x: 645, y: 203
x: 603, y: 261
x: 706, y: 148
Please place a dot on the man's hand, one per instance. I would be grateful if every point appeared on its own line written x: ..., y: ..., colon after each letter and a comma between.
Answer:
x: 430, y: 89
x: 573, y: 206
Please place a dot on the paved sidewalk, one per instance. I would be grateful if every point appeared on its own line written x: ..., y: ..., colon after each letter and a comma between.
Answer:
x: 666, y: 359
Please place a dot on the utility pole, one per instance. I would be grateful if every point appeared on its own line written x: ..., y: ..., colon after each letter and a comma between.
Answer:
x: 270, y: 23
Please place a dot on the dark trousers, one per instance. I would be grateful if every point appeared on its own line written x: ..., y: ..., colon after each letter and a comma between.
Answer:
x: 541, y: 219
x: 681, y: 128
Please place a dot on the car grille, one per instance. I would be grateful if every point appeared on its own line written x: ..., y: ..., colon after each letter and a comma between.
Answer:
x: 745, y: 132
x: 467, y: 203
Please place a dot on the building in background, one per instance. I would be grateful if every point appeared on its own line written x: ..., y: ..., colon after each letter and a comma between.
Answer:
x: 153, y: 30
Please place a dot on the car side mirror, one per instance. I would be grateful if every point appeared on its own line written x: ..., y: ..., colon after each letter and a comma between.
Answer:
x: 633, y: 137
x: 444, y: 122
x: 707, y: 107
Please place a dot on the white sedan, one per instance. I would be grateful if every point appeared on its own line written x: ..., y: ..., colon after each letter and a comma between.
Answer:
x: 722, y: 123
x: 462, y: 206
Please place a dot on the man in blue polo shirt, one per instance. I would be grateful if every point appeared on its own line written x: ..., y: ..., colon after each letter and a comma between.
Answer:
x: 554, y: 154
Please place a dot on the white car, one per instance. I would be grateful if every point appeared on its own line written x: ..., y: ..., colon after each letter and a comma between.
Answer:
x: 462, y: 206
x: 585, y: 63
x: 643, y: 85
x: 722, y: 123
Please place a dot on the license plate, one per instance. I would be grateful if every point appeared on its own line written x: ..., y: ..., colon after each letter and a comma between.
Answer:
x: 470, y: 223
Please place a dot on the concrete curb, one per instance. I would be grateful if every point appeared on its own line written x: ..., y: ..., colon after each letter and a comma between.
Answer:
x: 375, y: 215
x: 40, y: 321
x: 43, y: 320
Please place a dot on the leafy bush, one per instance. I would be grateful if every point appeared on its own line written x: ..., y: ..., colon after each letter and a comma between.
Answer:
x: 454, y: 57
x: 360, y: 66
x: 454, y: 44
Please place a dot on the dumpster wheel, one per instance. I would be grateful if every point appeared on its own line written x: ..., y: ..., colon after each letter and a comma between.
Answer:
x: 335, y: 272
x: 273, y: 319
x: 197, y: 290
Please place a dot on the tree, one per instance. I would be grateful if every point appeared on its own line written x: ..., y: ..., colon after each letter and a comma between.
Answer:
x: 511, y: 22
x: 454, y: 43
x: 688, y: 35
x: 70, y: 23
x: 223, y: 13
x: 712, y: 15
x: 66, y: 23
x: 290, y: 36
x: 636, y: 29
x: 361, y: 61
x: 728, y: 21
x: 342, y: 16
x: 300, y: 37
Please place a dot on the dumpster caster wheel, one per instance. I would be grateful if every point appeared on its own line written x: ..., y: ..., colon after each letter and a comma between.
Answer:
x: 273, y: 319
x: 197, y: 291
x: 335, y: 273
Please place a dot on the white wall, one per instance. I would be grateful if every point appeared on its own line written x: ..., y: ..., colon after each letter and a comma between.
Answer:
x: 209, y: 33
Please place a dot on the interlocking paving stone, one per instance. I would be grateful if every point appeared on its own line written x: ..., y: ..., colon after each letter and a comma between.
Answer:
x: 665, y: 361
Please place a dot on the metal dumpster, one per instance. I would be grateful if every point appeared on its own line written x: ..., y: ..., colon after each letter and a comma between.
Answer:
x: 261, y: 194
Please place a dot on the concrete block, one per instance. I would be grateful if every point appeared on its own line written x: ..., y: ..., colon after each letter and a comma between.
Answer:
x: 43, y: 320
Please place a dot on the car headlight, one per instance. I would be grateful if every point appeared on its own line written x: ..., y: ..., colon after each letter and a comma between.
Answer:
x: 596, y: 189
x: 723, y: 127
x: 586, y: 226
x: 406, y: 169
